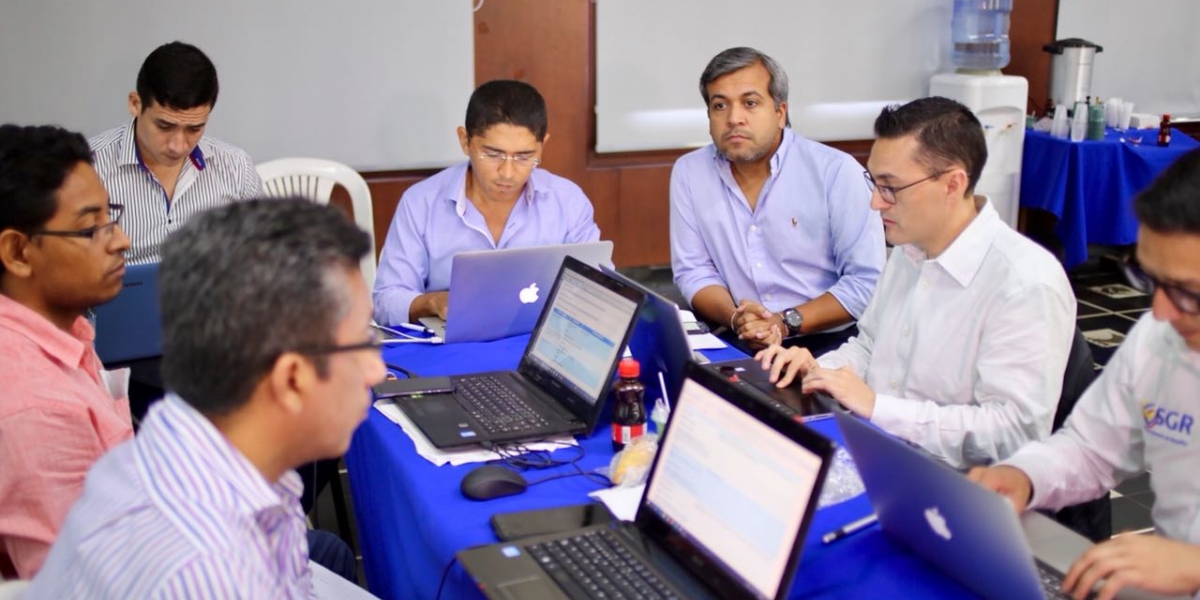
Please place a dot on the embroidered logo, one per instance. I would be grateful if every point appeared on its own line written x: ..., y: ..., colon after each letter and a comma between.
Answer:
x: 1171, y: 425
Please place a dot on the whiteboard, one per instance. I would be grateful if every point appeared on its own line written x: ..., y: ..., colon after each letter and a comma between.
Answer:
x: 845, y: 60
x: 375, y: 84
x: 1150, y: 50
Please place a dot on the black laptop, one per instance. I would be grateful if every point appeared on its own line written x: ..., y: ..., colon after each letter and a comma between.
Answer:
x: 725, y: 512
x: 564, y: 376
x: 749, y: 373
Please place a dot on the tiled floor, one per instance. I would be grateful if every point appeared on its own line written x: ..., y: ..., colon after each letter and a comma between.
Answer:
x: 1107, y: 309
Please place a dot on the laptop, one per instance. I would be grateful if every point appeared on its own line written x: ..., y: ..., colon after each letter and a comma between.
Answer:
x: 129, y: 327
x: 969, y: 532
x: 727, y: 504
x: 564, y: 376
x: 749, y: 373
x: 659, y: 341
x: 500, y: 293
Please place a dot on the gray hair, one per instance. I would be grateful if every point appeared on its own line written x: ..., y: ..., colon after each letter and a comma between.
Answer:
x: 244, y: 283
x: 736, y: 59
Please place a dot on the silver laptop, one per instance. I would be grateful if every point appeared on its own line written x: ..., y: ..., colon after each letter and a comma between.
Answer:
x: 969, y: 532
x: 724, y: 515
x: 500, y: 293
x: 129, y: 327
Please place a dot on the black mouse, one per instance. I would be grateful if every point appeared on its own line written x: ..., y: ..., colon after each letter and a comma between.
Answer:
x: 492, y: 481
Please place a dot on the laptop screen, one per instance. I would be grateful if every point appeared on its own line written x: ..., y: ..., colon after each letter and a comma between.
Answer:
x: 583, y: 330
x: 733, y: 486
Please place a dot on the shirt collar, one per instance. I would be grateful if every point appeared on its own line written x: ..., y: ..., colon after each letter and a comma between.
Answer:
x: 965, y: 255
x: 130, y: 155
x: 193, y: 437
x: 66, y: 348
x: 785, y: 144
x: 456, y: 189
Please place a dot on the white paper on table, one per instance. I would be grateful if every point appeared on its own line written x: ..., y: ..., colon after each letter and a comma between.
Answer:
x: 473, y: 454
x: 622, y: 502
x: 704, y: 341
x: 328, y: 585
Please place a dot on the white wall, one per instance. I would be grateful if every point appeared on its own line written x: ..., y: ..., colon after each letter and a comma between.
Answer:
x: 376, y: 84
x: 1151, y: 50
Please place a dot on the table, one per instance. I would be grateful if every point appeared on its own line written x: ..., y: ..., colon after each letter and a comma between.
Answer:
x: 412, y: 518
x: 1090, y: 185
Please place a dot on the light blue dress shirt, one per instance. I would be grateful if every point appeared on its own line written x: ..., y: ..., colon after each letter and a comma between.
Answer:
x: 813, y: 230
x: 435, y: 221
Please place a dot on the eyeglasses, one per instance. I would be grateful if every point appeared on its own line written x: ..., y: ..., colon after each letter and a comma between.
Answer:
x: 96, y: 233
x: 1186, y: 301
x: 888, y: 193
x: 520, y: 161
x: 375, y: 343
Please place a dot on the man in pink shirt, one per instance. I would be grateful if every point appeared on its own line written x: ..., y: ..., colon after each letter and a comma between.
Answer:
x: 61, y: 252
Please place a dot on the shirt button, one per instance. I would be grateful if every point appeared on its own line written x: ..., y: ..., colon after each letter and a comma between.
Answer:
x: 768, y: 297
x: 757, y: 265
x: 754, y: 228
x: 907, y: 331
x: 925, y: 283
x: 895, y: 385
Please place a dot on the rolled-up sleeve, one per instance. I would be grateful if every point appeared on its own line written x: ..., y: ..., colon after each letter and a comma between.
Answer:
x: 857, y: 238
x: 690, y: 259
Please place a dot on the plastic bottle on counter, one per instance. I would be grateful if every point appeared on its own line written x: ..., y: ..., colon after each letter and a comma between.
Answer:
x: 1164, y: 131
x: 629, y: 406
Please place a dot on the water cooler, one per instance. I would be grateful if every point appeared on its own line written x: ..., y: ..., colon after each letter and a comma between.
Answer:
x: 999, y: 102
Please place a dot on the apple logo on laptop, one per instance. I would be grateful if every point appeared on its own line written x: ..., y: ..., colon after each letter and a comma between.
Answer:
x: 529, y: 295
x: 937, y: 523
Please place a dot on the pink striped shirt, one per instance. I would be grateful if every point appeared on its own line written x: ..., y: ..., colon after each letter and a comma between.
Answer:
x: 57, y: 417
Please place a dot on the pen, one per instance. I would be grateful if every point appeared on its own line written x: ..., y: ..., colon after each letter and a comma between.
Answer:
x: 412, y: 327
x: 849, y: 528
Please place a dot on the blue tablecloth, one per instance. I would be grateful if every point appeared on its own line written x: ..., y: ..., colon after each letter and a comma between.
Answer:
x: 412, y: 518
x: 1090, y: 185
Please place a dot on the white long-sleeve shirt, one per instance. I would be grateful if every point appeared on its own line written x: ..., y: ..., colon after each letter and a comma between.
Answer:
x: 966, y: 352
x: 1139, y: 415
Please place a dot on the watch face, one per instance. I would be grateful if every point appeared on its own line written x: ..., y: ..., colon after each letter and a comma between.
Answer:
x: 792, y: 318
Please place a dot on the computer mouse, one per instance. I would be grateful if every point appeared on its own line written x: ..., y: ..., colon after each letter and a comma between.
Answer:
x: 492, y: 481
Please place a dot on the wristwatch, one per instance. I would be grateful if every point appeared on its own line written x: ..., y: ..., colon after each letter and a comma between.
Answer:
x: 792, y: 319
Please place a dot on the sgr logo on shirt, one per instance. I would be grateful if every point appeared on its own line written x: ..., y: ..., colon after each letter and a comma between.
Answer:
x: 1162, y: 422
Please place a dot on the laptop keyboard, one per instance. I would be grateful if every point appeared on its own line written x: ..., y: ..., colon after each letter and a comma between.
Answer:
x: 498, y: 409
x: 596, y: 565
x: 1052, y: 582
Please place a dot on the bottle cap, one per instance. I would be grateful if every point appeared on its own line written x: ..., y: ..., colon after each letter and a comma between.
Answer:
x: 629, y: 368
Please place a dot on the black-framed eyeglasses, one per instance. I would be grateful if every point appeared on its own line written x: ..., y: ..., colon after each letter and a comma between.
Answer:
x: 95, y: 233
x: 375, y: 343
x: 1185, y: 301
x: 888, y: 193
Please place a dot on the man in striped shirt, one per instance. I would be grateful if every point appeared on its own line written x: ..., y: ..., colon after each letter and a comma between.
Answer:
x: 160, y: 165
x: 269, y: 357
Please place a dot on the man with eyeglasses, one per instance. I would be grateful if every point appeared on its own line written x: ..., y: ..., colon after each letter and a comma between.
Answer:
x: 61, y: 252
x: 271, y: 371
x: 497, y: 199
x: 771, y: 234
x: 963, y: 347
x: 1139, y: 415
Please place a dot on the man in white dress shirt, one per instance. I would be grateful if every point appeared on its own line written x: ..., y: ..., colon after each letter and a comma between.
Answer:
x: 1140, y: 415
x: 962, y: 348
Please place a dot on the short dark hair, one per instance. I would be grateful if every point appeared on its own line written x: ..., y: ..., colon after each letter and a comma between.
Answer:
x: 34, y: 163
x: 947, y: 131
x: 178, y: 76
x: 736, y: 59
x: 1172, y: 202
x: 241, y: 284
x: 508, y: 102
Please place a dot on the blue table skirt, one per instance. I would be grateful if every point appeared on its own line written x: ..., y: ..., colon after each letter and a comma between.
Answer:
x: 1090, y: 185
x: 412, y: 518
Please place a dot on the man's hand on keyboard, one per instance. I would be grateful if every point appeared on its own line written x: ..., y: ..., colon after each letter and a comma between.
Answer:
x: 1149, y: 562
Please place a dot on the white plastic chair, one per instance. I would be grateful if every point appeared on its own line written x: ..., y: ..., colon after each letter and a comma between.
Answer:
x: 314, y: 178
x: 12, y: 590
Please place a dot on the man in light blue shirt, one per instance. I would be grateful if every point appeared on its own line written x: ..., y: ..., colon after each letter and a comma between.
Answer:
x: 497, y: 199
x: 771, y: 233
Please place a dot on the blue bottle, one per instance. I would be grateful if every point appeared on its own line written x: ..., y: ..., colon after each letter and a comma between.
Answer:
x: 979, y: 34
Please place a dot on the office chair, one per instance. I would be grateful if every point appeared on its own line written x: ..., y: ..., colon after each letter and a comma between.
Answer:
x: 314, y: 178
x: 1092, y: 519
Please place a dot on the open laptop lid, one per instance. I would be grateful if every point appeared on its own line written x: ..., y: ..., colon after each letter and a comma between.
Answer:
x: 733, y: 488
x: 659, y: 341
x: 500, y: 293
x: 969, y: 532
x: 573, y: 352
x: 129, y: 327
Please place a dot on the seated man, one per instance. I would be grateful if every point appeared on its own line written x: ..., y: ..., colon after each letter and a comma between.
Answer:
x: 964, y: 344
x: 769, y: 231
x: 272, y: 370
x: 61, y: 252
x: 1139, y: 415
x: 161, y: 166
x: 497, y: 199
